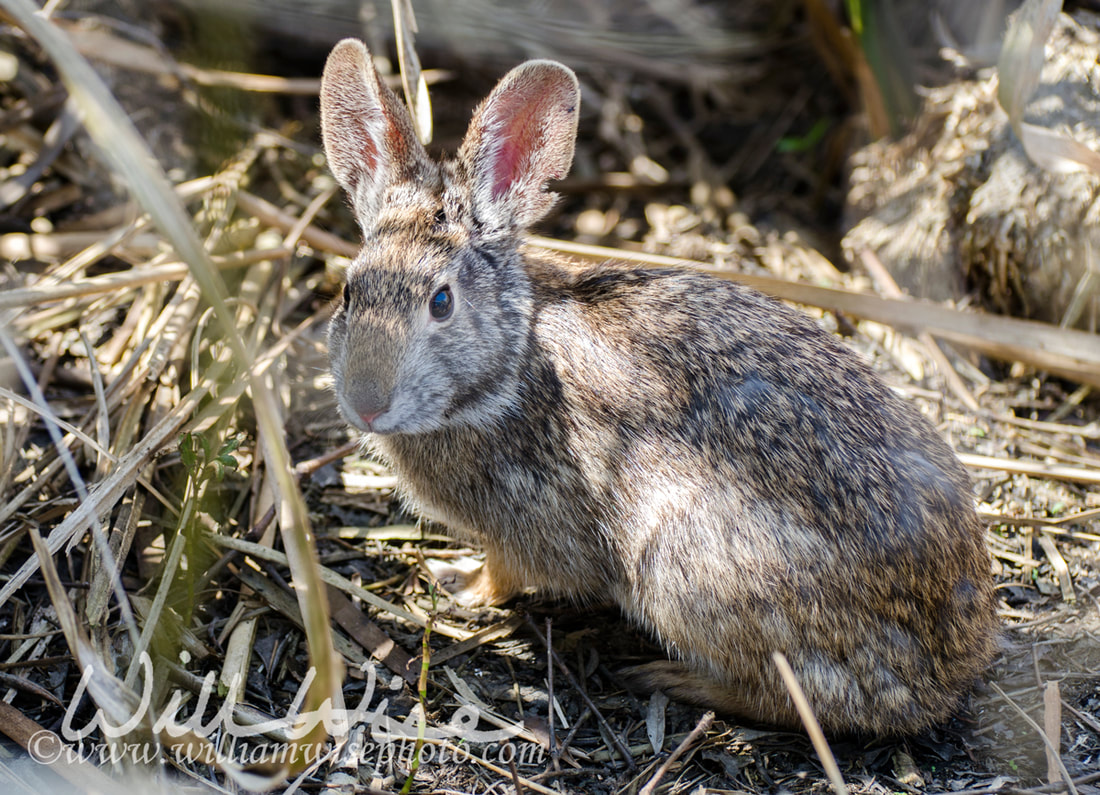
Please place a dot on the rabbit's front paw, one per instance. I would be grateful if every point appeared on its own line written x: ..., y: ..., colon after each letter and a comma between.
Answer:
x: 473, y: 584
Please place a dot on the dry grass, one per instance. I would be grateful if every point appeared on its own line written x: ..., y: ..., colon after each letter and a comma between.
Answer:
x: 151, y: 462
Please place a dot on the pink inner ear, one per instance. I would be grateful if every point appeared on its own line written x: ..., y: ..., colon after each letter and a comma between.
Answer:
x: 363, y: 158
x: 519, y: 133
x: 505, y: 170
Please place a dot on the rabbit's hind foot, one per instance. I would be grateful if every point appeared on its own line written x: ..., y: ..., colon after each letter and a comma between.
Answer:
x: 680, y: 682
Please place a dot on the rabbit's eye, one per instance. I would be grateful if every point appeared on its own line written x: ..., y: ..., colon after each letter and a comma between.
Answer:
x: 347, y: 295
x: 441, y: 304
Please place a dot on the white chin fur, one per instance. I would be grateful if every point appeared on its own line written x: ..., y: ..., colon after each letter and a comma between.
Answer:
x: 387, y: 425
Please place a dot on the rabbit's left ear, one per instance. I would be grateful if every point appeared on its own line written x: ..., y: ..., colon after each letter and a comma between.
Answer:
x: 521, y: 137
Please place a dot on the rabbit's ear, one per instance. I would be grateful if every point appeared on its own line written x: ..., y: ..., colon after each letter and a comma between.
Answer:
x: 521, y: 136
x: 369, y: 139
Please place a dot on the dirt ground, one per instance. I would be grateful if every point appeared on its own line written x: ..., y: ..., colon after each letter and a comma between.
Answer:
x: 746, y: 176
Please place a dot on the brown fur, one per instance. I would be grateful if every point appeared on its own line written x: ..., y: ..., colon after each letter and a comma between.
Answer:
x: 730, y: 474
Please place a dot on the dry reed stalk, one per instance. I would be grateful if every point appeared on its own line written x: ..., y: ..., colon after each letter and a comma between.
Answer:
x: 1072, y: 354
x: 1033, y: 468
x: 890, y: 289
x: 809, y: 721
x: 102, y: 44
x: 117, y: 283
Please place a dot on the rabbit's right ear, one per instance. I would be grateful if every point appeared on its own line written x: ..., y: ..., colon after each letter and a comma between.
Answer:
x: 521, y: 137
x: 369, y: 138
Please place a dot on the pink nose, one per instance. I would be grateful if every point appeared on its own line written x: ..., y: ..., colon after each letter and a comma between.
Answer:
x: 371, y: 417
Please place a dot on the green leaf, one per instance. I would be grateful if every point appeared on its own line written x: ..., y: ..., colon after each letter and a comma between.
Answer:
x: 804, y: 143
x: 187, y: 451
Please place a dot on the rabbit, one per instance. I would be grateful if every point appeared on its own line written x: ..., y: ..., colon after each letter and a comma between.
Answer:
x: 730, y: 474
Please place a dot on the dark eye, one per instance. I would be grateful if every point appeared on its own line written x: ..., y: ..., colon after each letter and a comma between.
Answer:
x: 442, y: 304
x: 347, y: 295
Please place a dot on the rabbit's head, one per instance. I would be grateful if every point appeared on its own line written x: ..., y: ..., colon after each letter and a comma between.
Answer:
x: 436, y: 314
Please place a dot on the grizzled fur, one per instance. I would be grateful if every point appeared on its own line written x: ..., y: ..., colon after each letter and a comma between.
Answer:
x: 731, y: 475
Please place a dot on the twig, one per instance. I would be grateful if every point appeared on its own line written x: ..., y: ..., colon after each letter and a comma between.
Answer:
x: 306, y: 468
x: 327, y: 575
x: 71, y: 765
x: 1048, y: 525
x: 1090, y: 431
x: 466, y: 754
x: 1084, y: 717
x: 809, y: 720
x: 422, y: 696
x: 512, y: 769
x: 490, y: 634
x: 1045, y: 788
x: 105, y: 46
x: 696, y: 733
x: 620, y: 746
x: 372, y: 638
x: 554, y: 760
x: 568, y: 741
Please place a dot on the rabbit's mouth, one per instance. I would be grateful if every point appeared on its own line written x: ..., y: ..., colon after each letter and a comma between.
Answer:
x: 373, y: 421
x: 396, y: 417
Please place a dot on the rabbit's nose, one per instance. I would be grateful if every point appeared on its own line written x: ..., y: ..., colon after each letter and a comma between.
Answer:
x: 370, y: 416
x: 368, y: 401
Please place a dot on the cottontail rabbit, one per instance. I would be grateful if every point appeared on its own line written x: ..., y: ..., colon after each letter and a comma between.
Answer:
x: 731, y: 475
